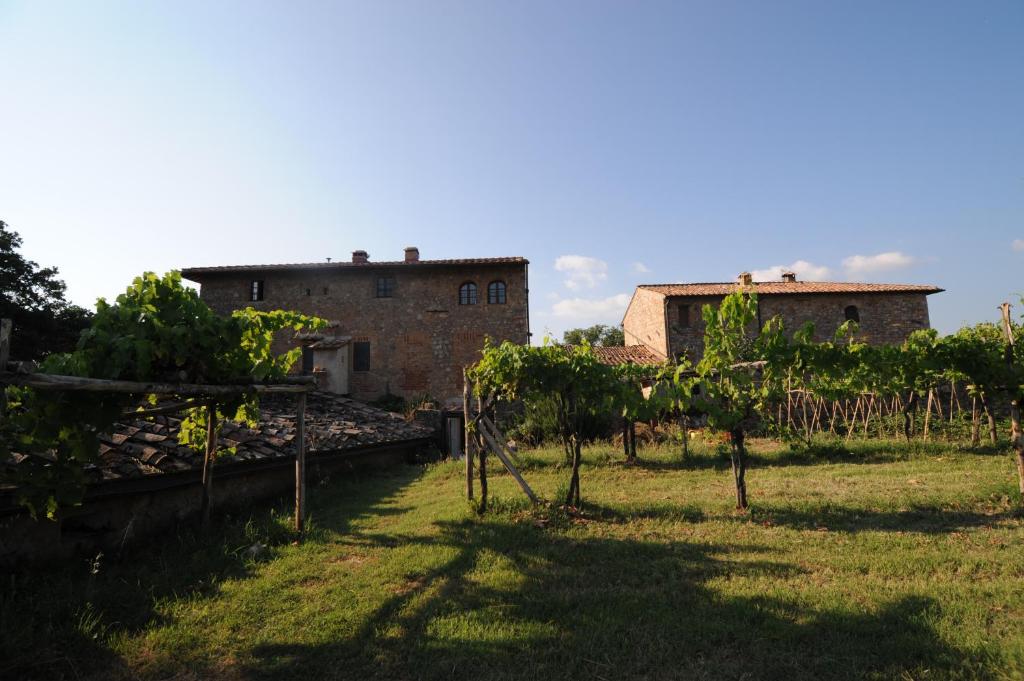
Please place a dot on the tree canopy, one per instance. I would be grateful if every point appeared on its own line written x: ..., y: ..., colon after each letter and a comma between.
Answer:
x: 598, y: 335
x: 33, y: 297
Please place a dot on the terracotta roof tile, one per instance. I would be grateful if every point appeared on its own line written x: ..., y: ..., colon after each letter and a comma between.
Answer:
x: 331, y: 343
x: 141, y: 447
x: 629, y: 354
x: 190, y: 272
x: 785, y: 287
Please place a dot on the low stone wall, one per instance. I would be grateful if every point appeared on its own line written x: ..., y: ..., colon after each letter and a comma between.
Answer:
x: 116, y: 513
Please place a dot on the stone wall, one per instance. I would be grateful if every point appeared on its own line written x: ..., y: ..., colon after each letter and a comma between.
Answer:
x: 644, y: 322
x: 884, y: 318
x: 420, y: 338
x: 117, y: 514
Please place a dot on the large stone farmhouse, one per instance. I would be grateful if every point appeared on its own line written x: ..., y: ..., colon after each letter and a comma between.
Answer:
x: 404, y: 327
x: 666, y: 318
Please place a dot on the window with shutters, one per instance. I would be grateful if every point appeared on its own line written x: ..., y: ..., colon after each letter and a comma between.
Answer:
x: 256, y: 290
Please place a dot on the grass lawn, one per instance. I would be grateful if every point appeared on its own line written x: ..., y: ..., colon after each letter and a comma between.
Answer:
x: 884, y: 562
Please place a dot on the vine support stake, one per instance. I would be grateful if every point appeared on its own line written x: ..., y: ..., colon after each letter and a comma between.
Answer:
x: 5, y: 354
x: 211, y: 451
x: 928, y: 414
x: 300, y: 464
x: 467, y: 445
x: 481, y: 448
x: 1015, y: 432
x: 5, y: 342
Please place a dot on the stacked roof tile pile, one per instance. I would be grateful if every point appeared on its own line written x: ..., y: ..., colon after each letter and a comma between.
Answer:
x: 629, y: 354
x: 333, y: 423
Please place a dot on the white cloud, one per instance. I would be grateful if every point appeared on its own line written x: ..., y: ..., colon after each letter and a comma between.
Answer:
x: 592, y: 309
x: 1018, y: 244
x: 640, y: 268
x: 806, y: 271
x: 881, y: 262
x: 581, y: 271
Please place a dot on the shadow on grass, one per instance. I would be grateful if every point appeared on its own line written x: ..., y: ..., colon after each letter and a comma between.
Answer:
x: 923, y: 519
x: 797, y: 454
x: 918, y: 519
x: 54, y: 623
x: 611, y: 609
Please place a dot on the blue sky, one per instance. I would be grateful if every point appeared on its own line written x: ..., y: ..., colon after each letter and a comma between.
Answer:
x: 610, y: 143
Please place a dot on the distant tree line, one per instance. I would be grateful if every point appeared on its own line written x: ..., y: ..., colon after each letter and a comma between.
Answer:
x: 33, y: 297
x: 598, y: 334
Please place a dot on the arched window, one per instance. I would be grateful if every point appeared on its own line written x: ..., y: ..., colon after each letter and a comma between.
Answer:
x: 467, y: 294
x: 852, y: 314
x: 496, y: 293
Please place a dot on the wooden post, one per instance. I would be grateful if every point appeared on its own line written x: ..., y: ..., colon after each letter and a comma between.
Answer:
x: 953, y: 399
x: 1015, y: 433
x: 208, y: 459
x: 686, y: 435
x: 803, y: 411
x: 632, y: 440
x: 789, y: 403
x: 991, y: 417
x: 482, y: 452
x: 626, y: 438
x: 975, y: 423
x: 927, y: 414
x: 5, y: 355
x: 467, y: 445
x: 300, y: 464
x: 5, y: 342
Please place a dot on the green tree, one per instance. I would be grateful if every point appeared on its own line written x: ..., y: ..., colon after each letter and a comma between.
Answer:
x: 596, y: 335
x: 33, y: 298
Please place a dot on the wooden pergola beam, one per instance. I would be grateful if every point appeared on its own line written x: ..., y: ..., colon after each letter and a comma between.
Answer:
x: 77, y: 383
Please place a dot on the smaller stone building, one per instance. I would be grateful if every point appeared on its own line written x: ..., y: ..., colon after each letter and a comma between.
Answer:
x: 666, y: 318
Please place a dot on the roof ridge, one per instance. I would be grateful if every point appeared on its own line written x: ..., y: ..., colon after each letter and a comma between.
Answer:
x: 783, y: 287
x: 345, y: 264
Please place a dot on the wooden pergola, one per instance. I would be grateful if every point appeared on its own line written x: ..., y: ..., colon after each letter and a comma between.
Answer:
x: 199, y: 396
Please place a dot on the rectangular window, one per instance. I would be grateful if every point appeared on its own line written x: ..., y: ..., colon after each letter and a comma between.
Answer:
x: 361, y: 356
x: 385, y: 287
x: 684, y: 316
x: 307, y: 360
x: 256, y: 290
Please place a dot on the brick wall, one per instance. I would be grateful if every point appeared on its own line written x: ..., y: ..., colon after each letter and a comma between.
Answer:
x: 419, y: 339
x: 644, y: 322
x: 884, y: 318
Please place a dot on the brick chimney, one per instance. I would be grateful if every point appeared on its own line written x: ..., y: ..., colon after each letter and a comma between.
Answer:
x: 789, y: 277
x: 412, y: 254
x: 745, y: 279
x: 360, y: 257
